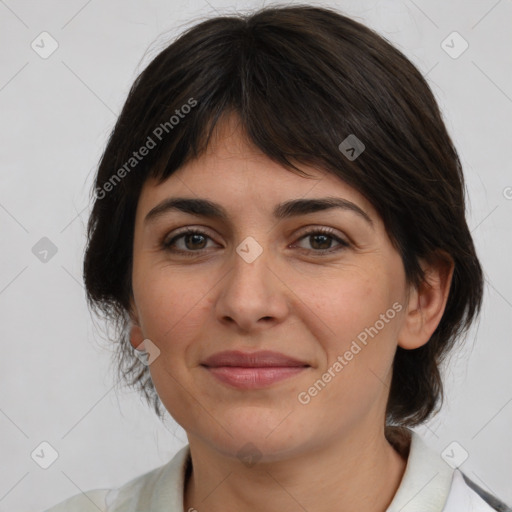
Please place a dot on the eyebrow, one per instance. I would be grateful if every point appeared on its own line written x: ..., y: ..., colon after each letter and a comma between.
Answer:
x: 288, y: 209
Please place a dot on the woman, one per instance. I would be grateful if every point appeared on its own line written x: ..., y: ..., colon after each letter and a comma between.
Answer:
x: 279, y: 233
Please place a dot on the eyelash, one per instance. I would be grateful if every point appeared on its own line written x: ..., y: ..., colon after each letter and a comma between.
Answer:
x: 166, y: 245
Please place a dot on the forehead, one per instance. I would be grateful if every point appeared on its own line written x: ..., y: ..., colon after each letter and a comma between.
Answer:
x: 235, y: 173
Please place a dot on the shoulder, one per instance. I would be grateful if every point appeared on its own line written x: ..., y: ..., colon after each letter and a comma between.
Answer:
x: 430, y: 483
x: 467, y: 495
x: 160, y: 489
x: 106, y: 500
x: 481, y: 496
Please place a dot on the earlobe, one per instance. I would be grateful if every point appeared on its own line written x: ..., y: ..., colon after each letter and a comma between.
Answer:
x: 136, y: 335
x: 427, y: 303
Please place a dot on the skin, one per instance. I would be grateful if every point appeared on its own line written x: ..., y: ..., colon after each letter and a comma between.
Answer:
x: 330, y: 454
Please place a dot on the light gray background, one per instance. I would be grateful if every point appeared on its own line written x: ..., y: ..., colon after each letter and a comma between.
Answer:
x: 56, y: 114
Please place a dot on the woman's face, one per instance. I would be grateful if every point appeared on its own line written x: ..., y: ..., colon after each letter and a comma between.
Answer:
x: 250, y: 282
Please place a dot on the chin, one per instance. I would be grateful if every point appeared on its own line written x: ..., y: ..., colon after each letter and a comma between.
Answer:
x: 258, y: 449
x: 269, y: 435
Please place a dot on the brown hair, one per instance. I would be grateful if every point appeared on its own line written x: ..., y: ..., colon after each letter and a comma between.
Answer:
x: 301, y: 79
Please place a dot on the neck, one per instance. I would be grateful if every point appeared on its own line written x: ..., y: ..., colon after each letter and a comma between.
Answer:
x: 358, y: 472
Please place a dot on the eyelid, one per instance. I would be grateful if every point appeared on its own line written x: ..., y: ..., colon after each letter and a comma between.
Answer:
x: 313, y: 228
x: 185, y: 230
x: 342, y: 240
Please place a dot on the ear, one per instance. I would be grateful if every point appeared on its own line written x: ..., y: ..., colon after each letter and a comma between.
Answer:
x: 136, y: 335
x: 426, y: 304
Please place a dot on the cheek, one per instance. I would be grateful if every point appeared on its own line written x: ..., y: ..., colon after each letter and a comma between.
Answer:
x: 357, y: 348
x: 355, y: 323
x: 340, y: 309
x: 169, y: 306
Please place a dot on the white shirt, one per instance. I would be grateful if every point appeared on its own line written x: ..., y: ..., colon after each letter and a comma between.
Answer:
x: 429, y: 484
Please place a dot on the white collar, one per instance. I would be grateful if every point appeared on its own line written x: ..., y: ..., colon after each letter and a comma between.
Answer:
x: 426, y: 482
x: 431, y: 484
x: 426, y: 486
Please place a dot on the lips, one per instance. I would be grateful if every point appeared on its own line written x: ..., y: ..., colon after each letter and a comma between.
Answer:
x: 261, y: 359
x: 254, y: 370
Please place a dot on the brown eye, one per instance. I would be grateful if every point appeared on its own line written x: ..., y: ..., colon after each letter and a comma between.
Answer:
x: 321, y: 241
x: 195, y: 240
x: 192, y: 241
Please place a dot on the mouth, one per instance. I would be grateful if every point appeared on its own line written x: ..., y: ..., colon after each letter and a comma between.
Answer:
x: 255, y: 370
x: 253, y: 377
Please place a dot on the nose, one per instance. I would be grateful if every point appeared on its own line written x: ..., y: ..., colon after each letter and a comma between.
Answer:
x: 252, y: 295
